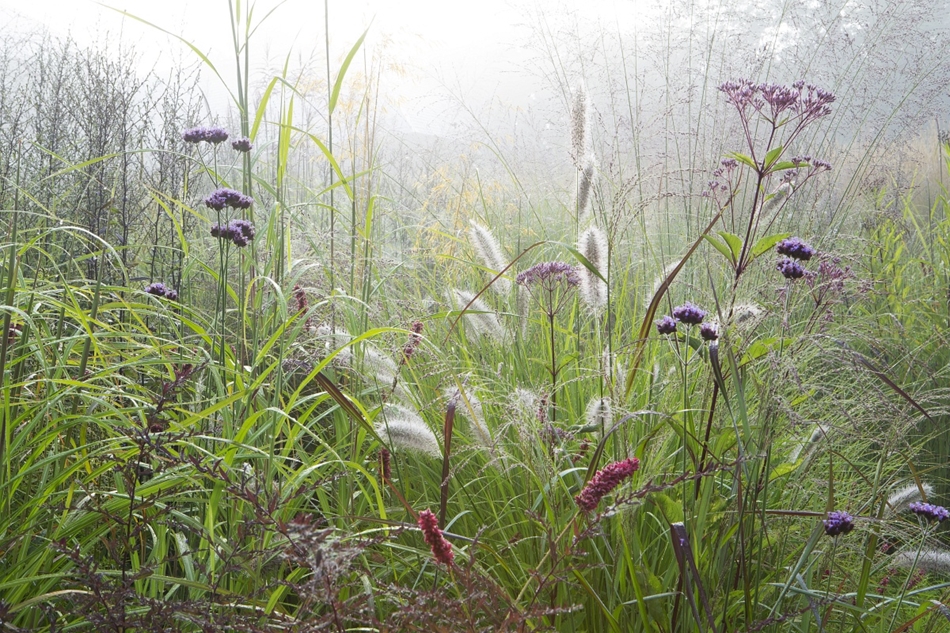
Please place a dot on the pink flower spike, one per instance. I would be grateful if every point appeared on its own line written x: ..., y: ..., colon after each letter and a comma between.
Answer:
x: 604, y: 481
x: 441, y: 549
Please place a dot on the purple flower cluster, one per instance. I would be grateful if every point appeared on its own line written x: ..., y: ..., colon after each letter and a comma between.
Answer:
x: 838, y: 522
x: 772, y: 100
x: 604, y: 481
x: 209, y: 134
x: 790, y: 268
x: 795, y: 247
x: 441, y: 549
x: 689, y: 314
x: 228, y: 198
x: 929, y: 511
x: 241, y: 232
x: 666, y: 325
x: 709, y: 331
x: 242, y: 144
x: 159, y: 289
x: 549, y: 274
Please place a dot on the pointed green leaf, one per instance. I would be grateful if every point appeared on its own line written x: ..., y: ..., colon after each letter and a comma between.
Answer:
x: 765, y: 244
x: 335, y: 95
x: 745, y: 160
x: 722, y: 248
x: 734, y: 242
x: 772, y: 156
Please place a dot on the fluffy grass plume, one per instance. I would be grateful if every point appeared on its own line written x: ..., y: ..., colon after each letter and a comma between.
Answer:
x: 405, y: 430
x: 935, y: 561
x: 593, y: 290
x: 599, y: 413
x: 489, y: 252
x: 585, y: 184
x: 904, y: 496
x: 481, y: 319
x: 580, y: 116
x: 470, y: 407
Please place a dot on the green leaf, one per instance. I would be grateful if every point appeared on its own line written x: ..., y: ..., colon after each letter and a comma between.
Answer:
x: 785, y: 164
x: 734, y: 242
x: 335, y: 95
x: 722, y: 248
x: 766, y: 243
x: 772, y: 157
x: 745, y: 160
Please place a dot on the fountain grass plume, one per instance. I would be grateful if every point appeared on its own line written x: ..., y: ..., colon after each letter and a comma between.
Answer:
x: 491, y: 255
x: 482, y: 319
x: 585, y: 184
x: 936, y: 561
x: 471, y: 408
x: 404, y: 429
x: 901, y: 498
x: 592, y: 244
x: 580, y: 117
x: 599, y: 413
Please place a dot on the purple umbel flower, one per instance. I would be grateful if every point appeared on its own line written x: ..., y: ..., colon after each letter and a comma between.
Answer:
x: 242, y: 144
x: 689, y: 314
x: 548, y: 274
x: 604, y: 481
x: 441, y: 549
x: 795, y: 247
x: 666, y: 325
x: 838, y: 522
x: 929, y: 511
x: 709, y: 331
x: 790, y: 268
x: 209, y: 134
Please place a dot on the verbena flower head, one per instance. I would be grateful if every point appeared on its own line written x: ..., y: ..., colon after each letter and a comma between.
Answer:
x: 666, y: 325
x: 441, y: 549
x: 159, y: 289
x: 929, y: 511
x: 213, y: 135
x: 548, y: 275
x: 604, y: 481
x: 838, y: 522
x: 709, y: 331
x: 790, y: 268
x: 240, y: 232
x: 795, y: 247
x: 242, y: 144
x: 223, y: 197
x: 689, y: 314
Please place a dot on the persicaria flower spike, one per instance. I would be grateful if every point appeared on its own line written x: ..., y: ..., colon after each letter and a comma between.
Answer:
x: 929, y: 511
x: 838, y: 522
x: 795, y: 247
x: 689, y: 314
x: 602, y: 483
x: 441, y: 549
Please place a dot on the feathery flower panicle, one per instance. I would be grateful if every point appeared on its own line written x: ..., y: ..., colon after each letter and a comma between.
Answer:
x: 336, y: 341
x: 489, y: 252
x: 744, y: 312
x: 794, y: 247
x: 790, y: 268
x: 482, y: 319
x: 929, y: 511
x: 599, y: 413
x: 470, y: 407
x: 585, y: 184
x: 213, y: 135
x: 441, y: 549
x: 592, y: 244
x: 689, y: 314
x: 579, y: 120
x: 415, y: 338
x: 838, y: 522
x: 932, y: 560
x: 604, y: 481
x: 242, y: 144
x: 666, y: 325
x: 902, y: 497
x: 405, y: 430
